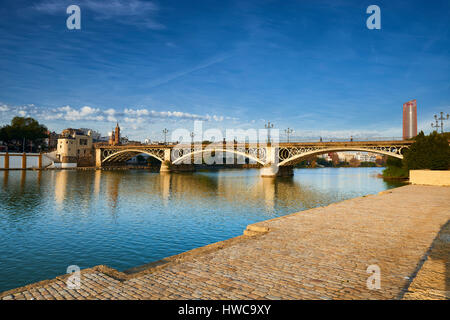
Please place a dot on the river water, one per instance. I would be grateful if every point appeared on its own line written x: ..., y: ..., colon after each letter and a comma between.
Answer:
x: 52, y: 219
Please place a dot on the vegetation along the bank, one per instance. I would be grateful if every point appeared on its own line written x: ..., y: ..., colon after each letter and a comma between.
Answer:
x: 427, y: 152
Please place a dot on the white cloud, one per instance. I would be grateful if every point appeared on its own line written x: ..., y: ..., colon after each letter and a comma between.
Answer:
x: 110, y: 115
x: 170, y: 114
x: 136, y: 121
x: 132, y: 12
x: 133, y: 120
x: 215, y: 118
x: 138, y: 112
x: 85, y: 113
x: 88, y: 113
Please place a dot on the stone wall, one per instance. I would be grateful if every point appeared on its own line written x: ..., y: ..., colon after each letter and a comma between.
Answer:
x: 430, y: 177
x: 86, y: 161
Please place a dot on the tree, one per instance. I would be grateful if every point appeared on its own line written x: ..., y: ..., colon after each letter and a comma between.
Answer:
x: 367, y: 164
x: 3, y: 135
x: 24, y: 128
x: 323, y: 162
x: 334, y: 159
x: 140, y: 158
x: 381, y: 161
x: 354, y: 162
x: 153, y: 162
x: 428, y: 152
x: 394, y: 169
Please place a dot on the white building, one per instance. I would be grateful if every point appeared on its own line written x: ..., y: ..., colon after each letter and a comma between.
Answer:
x: 365, y: 157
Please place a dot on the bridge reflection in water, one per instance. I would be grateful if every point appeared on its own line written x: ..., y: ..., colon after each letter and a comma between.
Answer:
x: 227, y: 186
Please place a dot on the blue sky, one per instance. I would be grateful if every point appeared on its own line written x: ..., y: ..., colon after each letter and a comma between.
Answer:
x: 309, y: 65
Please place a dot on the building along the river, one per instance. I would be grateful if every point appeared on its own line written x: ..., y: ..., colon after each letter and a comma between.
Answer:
x: 75, y: 148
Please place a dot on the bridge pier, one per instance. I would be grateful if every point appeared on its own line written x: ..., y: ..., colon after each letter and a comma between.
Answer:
x: 272, y: 170
x: 285, y: 171
x: 183, y: 168
x: 98, y: 158
x: 167, y: 166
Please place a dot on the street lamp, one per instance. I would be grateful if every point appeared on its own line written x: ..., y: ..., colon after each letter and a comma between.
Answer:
x: 192, y: 137
x: 165, y: 131
x: 436, y: 126
x: 288, y: 132
x: 268, y: 126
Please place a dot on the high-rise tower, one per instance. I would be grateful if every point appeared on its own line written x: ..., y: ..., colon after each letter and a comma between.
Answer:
x: 410, y: 119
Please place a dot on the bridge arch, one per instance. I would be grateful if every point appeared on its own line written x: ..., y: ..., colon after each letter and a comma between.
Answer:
x: 299, y: 157
x: 193, y: 153
x: 127, y: 154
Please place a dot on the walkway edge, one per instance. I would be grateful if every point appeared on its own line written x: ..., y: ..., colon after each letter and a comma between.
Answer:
x: 144, y: 269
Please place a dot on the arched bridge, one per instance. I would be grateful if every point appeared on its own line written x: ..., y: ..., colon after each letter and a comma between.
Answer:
x: 276, y: 159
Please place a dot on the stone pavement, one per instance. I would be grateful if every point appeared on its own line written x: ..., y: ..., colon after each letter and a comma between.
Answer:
x: 433, y: 279
x: 322, y: 253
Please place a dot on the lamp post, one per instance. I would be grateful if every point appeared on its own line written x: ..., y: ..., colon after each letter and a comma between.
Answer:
x: 192, y: 137
x: 441, y: 118
x: 268, y: 126
x: 288, y: 132
x: 165, y: 131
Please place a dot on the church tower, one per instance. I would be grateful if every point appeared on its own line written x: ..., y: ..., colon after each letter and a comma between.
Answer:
x: 117, y: 135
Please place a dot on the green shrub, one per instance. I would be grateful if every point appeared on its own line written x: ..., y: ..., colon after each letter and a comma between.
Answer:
x: 428, y: 152
x: 367, y: 164
x: 395, y: 172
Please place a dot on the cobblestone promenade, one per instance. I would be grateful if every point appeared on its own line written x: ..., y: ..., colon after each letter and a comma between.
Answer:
x: 321, y: 253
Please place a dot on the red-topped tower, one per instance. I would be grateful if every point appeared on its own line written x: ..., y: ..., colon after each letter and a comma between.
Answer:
x: 117, y: 135
x: 409, y: 119
x: 114, y: 138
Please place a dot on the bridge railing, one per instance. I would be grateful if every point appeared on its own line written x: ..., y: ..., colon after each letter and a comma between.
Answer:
x: 297, y: 139
x: 282, y: 139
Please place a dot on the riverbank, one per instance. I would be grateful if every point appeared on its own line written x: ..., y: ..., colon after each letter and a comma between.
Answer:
x: 321, y: 253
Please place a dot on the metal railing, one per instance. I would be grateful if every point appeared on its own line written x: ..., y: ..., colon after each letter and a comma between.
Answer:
x: 298, y: 139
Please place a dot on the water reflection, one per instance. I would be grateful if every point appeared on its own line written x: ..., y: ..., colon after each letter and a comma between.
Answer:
x: 232, y: 186
x: 5, y: 178
x: 52, y: 219
x: 97, y: 182
x: 164, y: 182
x: 61, y: 183
x: 307, y: 187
